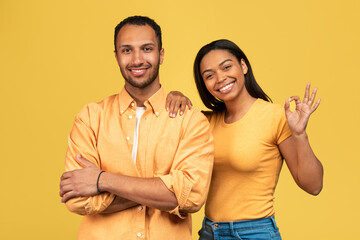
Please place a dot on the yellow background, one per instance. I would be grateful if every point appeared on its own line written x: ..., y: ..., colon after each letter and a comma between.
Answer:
x: 56, y: 56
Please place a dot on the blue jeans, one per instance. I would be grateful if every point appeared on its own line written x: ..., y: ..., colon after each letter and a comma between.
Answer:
x: 264, y: 228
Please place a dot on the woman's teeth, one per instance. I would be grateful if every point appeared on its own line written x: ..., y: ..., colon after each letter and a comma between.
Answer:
x: 226, y: 87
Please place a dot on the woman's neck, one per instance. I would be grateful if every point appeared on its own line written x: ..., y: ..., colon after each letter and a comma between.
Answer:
x: 237, y: 108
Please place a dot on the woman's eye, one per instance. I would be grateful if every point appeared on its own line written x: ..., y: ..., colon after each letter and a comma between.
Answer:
x: 227, y: 67
x: 209, y: 76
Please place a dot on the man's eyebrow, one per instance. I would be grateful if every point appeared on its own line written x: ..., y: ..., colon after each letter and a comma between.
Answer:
x: 222, y: 63
x: 124, y: 46
x: 148, y: 44
x: 129, y: 46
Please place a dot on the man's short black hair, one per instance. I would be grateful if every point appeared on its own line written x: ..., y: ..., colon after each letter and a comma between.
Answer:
x: 140, y: 21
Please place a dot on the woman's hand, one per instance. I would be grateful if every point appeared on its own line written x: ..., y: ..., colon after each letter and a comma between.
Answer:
x: 298, y: 119
x: 176, y: 101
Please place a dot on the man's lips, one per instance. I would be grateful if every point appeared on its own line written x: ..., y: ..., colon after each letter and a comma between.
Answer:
x: 138, y: 71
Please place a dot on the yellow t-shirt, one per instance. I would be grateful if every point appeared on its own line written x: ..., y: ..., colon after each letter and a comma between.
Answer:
x: 247, y: 163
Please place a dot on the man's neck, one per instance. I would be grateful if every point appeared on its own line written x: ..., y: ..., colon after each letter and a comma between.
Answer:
x: 140, y: 95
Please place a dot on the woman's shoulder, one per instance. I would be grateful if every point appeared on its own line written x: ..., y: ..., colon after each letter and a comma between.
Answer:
x: 212, y: 114
x: 269, y: 107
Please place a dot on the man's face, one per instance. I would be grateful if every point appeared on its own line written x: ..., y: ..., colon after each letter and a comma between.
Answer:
x: 138, y: 55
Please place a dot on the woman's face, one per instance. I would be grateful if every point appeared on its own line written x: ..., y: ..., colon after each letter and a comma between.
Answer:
x: 223, y: 75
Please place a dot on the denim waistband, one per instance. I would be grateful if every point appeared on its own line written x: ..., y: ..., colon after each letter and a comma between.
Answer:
x: 244, y: 224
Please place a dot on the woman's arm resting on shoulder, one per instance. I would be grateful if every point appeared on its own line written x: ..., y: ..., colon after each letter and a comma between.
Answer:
x: 304, y: 166
x: 176, y: 101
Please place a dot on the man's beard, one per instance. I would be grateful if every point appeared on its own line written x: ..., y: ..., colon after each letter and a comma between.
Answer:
x: 146, y: 83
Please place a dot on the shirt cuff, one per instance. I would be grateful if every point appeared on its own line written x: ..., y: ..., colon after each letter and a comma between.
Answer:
x: 97, y: 204
x: 180, y: 188
x: 176, y: 211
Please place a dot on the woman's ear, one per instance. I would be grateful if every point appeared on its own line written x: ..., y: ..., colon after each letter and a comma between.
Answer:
x: 243, y: 66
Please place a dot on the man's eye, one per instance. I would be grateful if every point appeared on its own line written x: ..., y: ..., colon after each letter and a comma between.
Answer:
x: 126, y: 50
x: 147, y: 49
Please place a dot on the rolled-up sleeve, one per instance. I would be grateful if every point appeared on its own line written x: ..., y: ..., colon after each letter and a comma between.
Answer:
x: 190, y: 174
x: 82, y: 140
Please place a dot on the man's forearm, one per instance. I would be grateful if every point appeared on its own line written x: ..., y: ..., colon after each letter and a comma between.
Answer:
x: 151, y: 192
x: 119, y: 204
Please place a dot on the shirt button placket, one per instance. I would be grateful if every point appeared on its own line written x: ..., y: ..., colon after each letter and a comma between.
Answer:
x: 142, y: 216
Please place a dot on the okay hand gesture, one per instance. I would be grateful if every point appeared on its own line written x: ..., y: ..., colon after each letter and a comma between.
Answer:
x: 298, y: 119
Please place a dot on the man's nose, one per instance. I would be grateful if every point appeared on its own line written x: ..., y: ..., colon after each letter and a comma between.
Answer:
x: 138, y: 58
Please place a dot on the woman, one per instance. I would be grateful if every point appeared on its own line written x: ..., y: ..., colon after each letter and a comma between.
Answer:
x: 251, y: 137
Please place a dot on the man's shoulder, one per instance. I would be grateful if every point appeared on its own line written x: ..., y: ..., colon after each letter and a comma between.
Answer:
x: 194, y: 116
x: 106, y: 102
x: 103, y: 104
x: 94, y: 109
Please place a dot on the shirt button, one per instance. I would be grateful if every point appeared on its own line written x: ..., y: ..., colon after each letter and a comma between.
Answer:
x: 121, y: 111
x: 139, y: 234
x: 156, y: 113
x: 128, y: 138
x: 132, y: 104
x: 130, y: 117
x: 140, y: 208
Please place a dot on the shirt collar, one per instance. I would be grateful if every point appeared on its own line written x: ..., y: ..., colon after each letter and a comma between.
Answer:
x: 156, y: 102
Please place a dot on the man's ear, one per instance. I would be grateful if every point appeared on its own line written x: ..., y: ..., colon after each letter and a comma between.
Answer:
x: 117, y: 60
x: 162, y: 52
x: 244, y: 67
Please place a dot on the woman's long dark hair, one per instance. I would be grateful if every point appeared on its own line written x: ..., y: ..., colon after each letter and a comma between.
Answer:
x: 250, y: 83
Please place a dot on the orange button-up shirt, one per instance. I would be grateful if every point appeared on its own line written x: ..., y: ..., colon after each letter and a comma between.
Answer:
x: 178, y: 150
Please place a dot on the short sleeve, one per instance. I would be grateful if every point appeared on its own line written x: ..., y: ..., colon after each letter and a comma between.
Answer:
x: 283, y: 130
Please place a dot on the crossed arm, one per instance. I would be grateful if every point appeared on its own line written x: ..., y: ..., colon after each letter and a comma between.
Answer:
x: 129, y: 191
x: 180, y: 191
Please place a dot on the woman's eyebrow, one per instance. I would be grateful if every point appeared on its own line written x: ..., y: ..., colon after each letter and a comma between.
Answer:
x: 222, y: 63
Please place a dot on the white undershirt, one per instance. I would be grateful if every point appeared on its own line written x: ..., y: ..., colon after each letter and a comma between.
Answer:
x: 139, y: 112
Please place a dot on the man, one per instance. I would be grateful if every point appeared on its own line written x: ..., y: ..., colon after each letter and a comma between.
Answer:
x: 131, y: 170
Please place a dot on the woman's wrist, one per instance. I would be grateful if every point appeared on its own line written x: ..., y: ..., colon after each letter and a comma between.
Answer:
x: 300, y: 136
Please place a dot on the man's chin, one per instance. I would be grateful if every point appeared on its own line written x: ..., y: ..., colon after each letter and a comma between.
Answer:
x: 140, y: 84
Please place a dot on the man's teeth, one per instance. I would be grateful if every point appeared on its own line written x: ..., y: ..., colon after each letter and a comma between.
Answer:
x: 141, y: 70
x: 226, y: 87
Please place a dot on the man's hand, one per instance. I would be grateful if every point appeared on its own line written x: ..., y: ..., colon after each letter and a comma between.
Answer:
x: 80, y: 182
